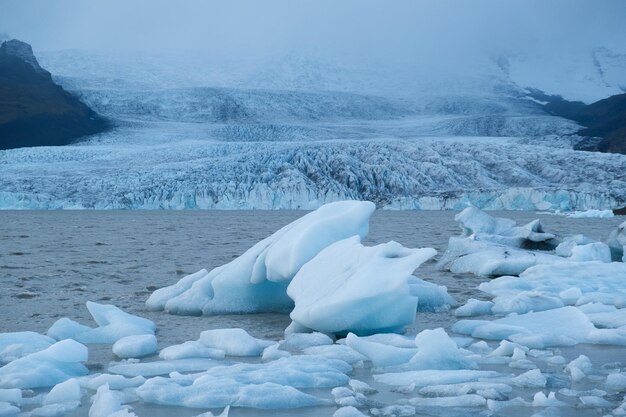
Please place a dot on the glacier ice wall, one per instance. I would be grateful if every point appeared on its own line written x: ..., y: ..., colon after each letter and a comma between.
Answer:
x: 440, y: 173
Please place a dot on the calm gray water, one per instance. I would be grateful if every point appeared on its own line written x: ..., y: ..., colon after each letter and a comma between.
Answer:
x: 52, y: 262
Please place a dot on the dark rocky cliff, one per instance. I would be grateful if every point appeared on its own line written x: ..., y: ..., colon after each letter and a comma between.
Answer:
x: 34, y: 111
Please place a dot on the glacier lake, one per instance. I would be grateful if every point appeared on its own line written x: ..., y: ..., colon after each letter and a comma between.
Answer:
x: 53, y: 262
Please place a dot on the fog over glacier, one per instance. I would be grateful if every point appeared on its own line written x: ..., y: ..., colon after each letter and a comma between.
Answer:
x: 279, y: 104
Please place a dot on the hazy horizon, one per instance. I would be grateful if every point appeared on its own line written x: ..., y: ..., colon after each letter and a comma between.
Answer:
x: 395, y: 31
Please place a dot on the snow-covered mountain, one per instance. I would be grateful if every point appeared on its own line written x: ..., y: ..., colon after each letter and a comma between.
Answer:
x: 298, y: 132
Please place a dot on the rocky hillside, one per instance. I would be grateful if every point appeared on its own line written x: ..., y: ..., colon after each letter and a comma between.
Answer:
x: 34, y: 111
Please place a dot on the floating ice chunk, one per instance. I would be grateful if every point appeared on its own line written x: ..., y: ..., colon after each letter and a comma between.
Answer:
x: 473, y: 220
x: 484, y: 258
x: 488, y: 390
x: 64, y: 392
x: 256, y: 281
x: 113, y: 323
x: 8, y: 410
x: 435, y: 350
x: 301, y: 341
x: 597, y: 251
x: 148, y: 369
x: 571, y: 295
x: 348, y: 287
x: 299, y: 371
x: 494, y: 405
x: 47, y: 367
x: 345, y: 397
x: 11, y: 395
x: 474, y: 307
x: 159, y: 298
x: 541, y: 400
x: 537, y: 330
x: 18, y: 344
x: 234, y: 342
x: 381, y: 355
x: 115, y: 382
x: 135, y: 346
x: 341, y: 352
x: 524, y: 302
x: 492, y: 246
x: 594, y: 281
x: 591, y: 214
x: 466, y: 400
x: 361, y: 387
x: 190, y: 349
x: 592, y: 401
x: 394, y: 411
x: 62, y: 399
x: 271, y: 353
x: 507, y: 348
x: 430, y: 297
x: 531, y: 379
x: 434, y: 377
x: 617, y: 242
x: 615, y: 381
x: 392, y: 339
x: 579, y: 367
x: 107, y: 403
x: 480, y: 347
x: 216, y: 392
x: 348, y: 412
x: 564, y: 248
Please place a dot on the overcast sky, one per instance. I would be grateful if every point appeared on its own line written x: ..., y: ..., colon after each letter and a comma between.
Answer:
x: 379, y: 29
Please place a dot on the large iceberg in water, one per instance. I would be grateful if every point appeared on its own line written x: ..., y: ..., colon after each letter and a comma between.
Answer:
x: 348, y: 287
x: 257, y: 280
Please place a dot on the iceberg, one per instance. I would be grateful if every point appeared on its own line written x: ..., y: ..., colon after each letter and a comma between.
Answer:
x: 108, y: 403
x: 18, y: 344
x: 47, y: 367
x: 190, y: 349
x: 496, y: 246
x: 257, y: 280
x: 348, y: 287
x: 493, y: 247
x: 62, y: 399
x: 233, y: 342
x: 617, y: 243
x: 135, y: 346
x: 113, y: 325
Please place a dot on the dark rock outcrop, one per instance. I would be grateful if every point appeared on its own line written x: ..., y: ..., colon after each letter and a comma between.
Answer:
x: 605, y: 119
x: 34, y: 111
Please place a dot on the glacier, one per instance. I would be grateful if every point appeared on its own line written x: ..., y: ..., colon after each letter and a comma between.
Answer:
x: 300, y: 132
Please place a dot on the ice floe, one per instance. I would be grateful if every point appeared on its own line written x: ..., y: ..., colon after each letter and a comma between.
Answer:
x: 234, y: 342
x: 135, y: 346
x: 113, y: 324
x: 45, y: 368
x: 545, y: 287
x: 17, y: 344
